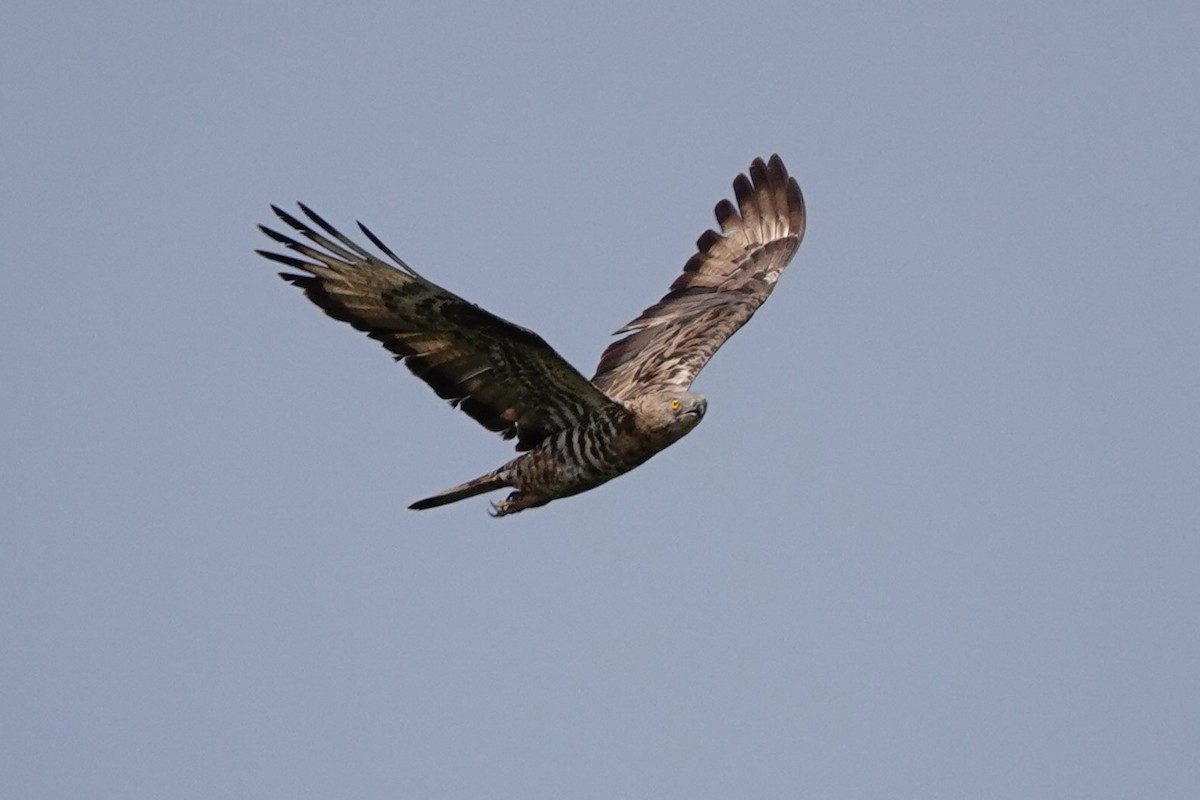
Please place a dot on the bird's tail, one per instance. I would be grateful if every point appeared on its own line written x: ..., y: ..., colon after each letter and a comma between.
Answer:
x: 486, y: 483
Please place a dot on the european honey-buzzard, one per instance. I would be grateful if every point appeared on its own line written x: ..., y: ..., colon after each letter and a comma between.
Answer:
x: 575, y: 434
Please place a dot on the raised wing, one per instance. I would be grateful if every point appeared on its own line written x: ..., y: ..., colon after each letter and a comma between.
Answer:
x: 722, y: 285
x: 504, y: 376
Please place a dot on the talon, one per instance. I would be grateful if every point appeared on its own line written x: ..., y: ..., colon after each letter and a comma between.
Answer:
x: 510, y: 505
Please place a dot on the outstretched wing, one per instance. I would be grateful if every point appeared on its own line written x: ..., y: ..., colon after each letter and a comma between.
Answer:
x: 504, y: 376
x: 722, y: 285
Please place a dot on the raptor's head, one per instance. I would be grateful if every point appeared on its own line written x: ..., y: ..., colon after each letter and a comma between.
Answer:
x: 677, y: 412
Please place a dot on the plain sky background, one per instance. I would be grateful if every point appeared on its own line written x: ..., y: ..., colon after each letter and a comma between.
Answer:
x: 936, y: 538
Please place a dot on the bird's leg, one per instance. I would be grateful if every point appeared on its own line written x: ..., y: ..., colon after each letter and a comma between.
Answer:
x: 507, y: 506
x: 517, y: 501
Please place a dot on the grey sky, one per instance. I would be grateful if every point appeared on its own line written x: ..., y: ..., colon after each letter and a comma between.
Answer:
x: 936, y: 538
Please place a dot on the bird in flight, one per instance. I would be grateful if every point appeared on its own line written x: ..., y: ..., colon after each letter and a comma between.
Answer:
x: 573, y: 434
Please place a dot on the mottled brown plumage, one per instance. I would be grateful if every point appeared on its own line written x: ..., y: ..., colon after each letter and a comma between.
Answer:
x: 578, y: 433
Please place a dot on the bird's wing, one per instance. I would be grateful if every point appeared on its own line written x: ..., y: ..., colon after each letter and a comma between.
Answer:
x: 721, y: 286
x: 504, y: 376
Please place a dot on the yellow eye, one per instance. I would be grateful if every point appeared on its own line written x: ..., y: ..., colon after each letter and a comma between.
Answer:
x: 674, y: 405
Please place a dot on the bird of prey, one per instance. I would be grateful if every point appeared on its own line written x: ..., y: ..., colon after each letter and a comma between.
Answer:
x: 573, y: 434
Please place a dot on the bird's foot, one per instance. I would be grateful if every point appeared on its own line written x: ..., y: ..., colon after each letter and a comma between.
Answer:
x: 505, y: 507
x: 517, y: 501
